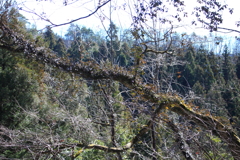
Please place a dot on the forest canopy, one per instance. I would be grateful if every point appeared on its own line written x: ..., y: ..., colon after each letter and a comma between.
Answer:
x: 140, y: 93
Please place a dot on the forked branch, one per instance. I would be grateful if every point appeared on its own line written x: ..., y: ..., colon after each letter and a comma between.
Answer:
x: 91, y: 70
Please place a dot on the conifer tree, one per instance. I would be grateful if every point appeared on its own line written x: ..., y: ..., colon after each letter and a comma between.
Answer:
x: 86, y: 34
x: 238, y: 67
x: 113, y: 42
x: 227, y: 67
x: 76, y: 49
x: 214, y: 64
x: 204, y: 67
x: 113, y: 134
x: 16, y: 90
x: 49, y: 38
x: 73, y: 32
x: 190, y: 68
x: 60, y: 47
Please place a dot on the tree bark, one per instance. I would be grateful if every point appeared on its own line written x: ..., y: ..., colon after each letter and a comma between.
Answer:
x: 91, y: 70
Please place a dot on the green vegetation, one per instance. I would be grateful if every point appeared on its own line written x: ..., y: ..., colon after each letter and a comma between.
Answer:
x: 154, y: 105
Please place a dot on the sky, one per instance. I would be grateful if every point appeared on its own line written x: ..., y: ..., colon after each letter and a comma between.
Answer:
x: 58, y: 13
x: 55, y: 11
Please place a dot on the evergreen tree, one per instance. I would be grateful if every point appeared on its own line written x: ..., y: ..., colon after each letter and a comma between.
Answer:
x: 214, y: 64
x: 97, y: 117
x: 204, y: 68
x: 86, y: 34
x: 60, y: 47
x: 227, y: 67
x: 238, y: 67
x: 16, y: 90
x: 113, y: 42
x: 190, y: 68
x: 76, y: 49
x: 73, y: 32
x: 49, y: 38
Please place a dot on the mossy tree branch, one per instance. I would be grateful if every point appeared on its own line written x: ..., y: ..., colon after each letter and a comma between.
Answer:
x: 91, y: 70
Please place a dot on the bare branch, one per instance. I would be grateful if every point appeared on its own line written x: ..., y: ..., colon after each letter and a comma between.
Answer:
x: 72, y: 21
x: 228, y: 29
x: 91, y: 70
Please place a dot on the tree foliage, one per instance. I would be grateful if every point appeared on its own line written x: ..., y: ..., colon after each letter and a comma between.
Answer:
x: 147, y: 97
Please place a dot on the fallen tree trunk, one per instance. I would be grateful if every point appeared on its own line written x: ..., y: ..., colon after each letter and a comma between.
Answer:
x: 91, y: 70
